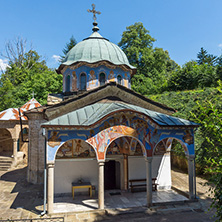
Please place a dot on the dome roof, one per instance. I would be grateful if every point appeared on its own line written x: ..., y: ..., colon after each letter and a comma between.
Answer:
x: 95, y: 48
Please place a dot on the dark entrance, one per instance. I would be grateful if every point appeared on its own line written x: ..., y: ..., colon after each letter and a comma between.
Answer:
x: 112, y: 175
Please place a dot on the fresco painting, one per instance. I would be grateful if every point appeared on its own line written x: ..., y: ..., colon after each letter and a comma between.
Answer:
x: 160, y: 148
x: 75, y: 149
x: 92, y: 80
x: 74, y: 81
x: 126, y: 124
x: 111, y: 76
x: 125, y: 80
x: 113, y: 149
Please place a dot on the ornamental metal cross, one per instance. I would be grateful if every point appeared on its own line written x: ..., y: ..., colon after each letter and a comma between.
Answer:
x: 33, y: 94
x: 94, y: 12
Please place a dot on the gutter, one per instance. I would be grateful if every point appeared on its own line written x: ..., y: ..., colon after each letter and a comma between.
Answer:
x: 45, y: 173
x: 20, y: 120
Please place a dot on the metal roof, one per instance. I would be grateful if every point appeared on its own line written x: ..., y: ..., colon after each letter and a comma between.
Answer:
x: 95, y: 48
x: 13, y: 113
x: 90, y: 114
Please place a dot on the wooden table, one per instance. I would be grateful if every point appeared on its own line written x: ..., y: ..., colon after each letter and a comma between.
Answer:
x: 80, y: 186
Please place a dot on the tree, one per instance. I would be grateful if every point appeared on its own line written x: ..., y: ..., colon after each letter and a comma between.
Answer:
x: 204, y: 58
x: 27, y: 73
x: 153, y: 65
x: 68, y: 47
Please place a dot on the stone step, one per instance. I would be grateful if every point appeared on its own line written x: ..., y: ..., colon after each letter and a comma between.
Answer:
x: 5, y: 161
x: 3, y: 168
x: 3, y: 158
x: 5, y: 164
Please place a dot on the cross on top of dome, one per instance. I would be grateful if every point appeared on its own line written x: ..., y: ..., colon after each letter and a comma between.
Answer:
x: 95, y: 28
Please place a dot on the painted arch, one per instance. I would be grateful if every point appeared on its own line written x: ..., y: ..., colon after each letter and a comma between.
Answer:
x: 120, y: 124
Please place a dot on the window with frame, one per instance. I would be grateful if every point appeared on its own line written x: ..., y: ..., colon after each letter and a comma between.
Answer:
x: 102, y: 79
x: 119, y: 79
x: 68, y: 83
x: 83, y: 81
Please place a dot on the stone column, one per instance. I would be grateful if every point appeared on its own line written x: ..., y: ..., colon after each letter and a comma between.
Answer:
x: 15, y: 146
x: 50, y: 191
x: 149, y: 180
x: 191, y: 168
x: 101, y: 185
x: 125, y: 168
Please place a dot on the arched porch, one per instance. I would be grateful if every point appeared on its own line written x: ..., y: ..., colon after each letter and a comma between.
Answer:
x: 128, y: 126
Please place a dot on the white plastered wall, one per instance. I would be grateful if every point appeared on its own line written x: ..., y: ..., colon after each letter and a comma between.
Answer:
x: 68, y: 171
x: 161, y: 169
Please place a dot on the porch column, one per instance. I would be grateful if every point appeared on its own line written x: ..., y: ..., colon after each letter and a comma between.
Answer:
x: 125, y: 167
x: 192, y: 184
x: 149, y: 180
x: 101, y: 185
x: 50, y: 191
x: 15, y: 147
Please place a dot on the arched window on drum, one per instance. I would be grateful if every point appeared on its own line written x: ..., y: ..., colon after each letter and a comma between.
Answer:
x: 83, y: 81
x: 102, y: 79
x: 68, y: 83
x: 119, y: 79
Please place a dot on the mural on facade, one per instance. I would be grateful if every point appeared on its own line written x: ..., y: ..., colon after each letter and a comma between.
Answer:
x: 74, y: 81
x: 75, y: 149
x: 92, y: 80
x: 160, y: 148
x: 113, y: 149
x: 111, y: 76
x: 125, y: 80
x: 122, y: 124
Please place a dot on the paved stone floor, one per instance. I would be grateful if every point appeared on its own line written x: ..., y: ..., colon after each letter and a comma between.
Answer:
x: 113, y: 200
x: 18, y: 200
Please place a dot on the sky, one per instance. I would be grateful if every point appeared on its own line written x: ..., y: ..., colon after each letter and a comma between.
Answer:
x: 181, y: 27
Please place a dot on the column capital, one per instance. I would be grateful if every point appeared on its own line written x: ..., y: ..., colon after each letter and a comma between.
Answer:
x: 190, y: 157
x: 101, y: 163
x: 50, y: 165
x: 149, y: 159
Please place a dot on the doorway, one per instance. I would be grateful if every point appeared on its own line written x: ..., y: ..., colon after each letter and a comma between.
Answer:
x: 112, y: 175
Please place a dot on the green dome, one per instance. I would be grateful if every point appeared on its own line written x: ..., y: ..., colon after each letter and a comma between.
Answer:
x: 95, y: 48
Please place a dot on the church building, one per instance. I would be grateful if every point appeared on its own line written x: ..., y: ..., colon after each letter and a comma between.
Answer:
x: 99, y: 132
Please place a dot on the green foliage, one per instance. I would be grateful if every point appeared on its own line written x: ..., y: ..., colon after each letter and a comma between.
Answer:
x: 210, y: 119
x: 204, y: 58
x: 18, y: 82
x: 202, y: 106
x: 154, y: 65
x: 192, y: 76
x: 68, y: 47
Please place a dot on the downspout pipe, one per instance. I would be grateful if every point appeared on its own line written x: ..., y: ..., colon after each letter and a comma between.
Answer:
x: 20, y: 119
x: 45, y: 174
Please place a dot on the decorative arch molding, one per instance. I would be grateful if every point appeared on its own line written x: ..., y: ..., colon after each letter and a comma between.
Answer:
x: 185, y: 138
x: 104, y: 138
x: 124, y: 136
x: 57, y: 145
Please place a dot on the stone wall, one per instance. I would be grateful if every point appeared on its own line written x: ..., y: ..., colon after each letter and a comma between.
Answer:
x: 36, y: 149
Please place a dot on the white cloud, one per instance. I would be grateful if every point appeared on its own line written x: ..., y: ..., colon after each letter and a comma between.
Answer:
x: 3, y: 64
x: 56, y: 57
x: 220, y: 45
